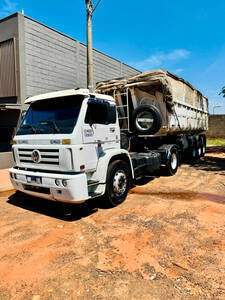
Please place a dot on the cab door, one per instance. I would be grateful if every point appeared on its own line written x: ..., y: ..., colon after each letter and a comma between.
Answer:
x: 99, y: 130
x: 90, y: 146
x: 107, y: 129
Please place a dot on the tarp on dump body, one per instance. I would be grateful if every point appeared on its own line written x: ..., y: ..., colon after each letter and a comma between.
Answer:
x: 181, y: 106
x: 171, y: 86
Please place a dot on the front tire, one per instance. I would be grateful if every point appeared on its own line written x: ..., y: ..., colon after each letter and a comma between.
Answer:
x: 118, y: 183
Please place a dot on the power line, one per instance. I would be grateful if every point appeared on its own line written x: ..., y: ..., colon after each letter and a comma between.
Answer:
x: 96, y: 6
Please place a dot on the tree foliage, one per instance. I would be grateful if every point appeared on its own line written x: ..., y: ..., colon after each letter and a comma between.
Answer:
x: 222, y: 92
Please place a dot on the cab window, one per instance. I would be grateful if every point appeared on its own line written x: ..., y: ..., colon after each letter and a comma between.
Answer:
x: 100, y: 112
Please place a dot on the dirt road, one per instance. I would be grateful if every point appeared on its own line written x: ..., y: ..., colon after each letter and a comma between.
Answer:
x: 165, y: 242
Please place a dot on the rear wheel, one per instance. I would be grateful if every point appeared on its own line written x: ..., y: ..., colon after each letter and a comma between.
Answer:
x: 203, y: 143
x: 194, y: 153
x: 118, y: 183
x: 199, y: 150
x: 172, y: 162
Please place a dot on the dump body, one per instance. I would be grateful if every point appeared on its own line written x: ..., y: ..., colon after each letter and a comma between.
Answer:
x: 183, y: 109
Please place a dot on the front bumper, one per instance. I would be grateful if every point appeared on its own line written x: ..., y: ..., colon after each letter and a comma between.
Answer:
x: 76, y: 190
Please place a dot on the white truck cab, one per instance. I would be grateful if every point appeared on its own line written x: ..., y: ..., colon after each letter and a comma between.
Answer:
x: 68, y: 147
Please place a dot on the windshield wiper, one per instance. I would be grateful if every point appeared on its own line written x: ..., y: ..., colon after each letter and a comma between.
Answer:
x: 34, y: 130
x: 51, y: 123
x: 27, y: 126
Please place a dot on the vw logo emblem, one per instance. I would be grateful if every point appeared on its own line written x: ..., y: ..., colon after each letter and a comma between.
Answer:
x: 36, y: 156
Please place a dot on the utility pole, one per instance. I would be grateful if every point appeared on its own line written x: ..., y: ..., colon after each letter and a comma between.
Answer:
x: 90, y: 11
x: 90, y: 81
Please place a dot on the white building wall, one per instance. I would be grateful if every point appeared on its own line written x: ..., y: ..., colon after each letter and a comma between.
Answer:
x: 54, y: 61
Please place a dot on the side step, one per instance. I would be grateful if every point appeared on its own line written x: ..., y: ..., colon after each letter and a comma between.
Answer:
x: 92, y: 182
x: 94, y: 195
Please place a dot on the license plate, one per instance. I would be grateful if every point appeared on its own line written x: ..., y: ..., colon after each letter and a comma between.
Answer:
x: 33, y: 179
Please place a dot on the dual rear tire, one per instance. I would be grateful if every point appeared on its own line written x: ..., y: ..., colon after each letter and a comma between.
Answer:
x: 197, y: 147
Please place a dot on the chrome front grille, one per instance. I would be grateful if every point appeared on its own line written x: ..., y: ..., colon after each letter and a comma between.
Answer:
x: 47, y: 156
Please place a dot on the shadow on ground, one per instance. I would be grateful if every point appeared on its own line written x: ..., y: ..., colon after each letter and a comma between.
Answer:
x: 210, y: 163
x: 215, y: 149
x: 73, y: 212
x: 58, y: 210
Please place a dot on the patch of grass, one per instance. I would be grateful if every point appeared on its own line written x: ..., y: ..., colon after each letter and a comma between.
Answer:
x: 215, y: 142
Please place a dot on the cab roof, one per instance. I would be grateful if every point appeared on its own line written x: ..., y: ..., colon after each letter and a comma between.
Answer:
x: 71, y: 92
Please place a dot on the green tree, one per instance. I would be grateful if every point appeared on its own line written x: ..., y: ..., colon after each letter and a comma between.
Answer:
x: 222, y: 92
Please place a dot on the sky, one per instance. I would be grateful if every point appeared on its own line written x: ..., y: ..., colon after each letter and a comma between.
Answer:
x: 184, y: 37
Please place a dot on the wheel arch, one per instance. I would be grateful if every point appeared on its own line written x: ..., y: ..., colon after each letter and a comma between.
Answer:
x: 108, y: 157
x: 124, y: 157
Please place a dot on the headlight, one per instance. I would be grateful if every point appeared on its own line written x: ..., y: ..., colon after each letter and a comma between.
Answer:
x: 64, y: 182
x: 57, y: 182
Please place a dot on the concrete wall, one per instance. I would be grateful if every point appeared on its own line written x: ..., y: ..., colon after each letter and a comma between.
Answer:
x: 6, y: 160
x: 55, y: 61
x: 216, y: 126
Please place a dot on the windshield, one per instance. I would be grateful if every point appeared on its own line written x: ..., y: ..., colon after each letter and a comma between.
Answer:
x: 55, y: 115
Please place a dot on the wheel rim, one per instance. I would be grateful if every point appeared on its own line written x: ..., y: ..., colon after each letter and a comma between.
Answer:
x: 144, y: 120
x: 173, y: 161
x: 199, y: 151
x: 203, y: 149
x: 119, y: 182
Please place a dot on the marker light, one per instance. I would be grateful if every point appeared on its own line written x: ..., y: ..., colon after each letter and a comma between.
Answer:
x: 66, y: 141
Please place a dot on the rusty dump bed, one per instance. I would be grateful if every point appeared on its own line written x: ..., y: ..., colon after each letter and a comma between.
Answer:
x: 182, y: 107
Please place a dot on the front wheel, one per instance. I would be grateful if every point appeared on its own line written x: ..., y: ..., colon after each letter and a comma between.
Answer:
x: 118, y: 183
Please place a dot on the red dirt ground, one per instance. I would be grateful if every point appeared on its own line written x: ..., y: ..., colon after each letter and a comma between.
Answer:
x: 166, y: 241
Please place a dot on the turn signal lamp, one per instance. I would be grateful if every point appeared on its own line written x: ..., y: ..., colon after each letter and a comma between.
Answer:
x: 66, y: 141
